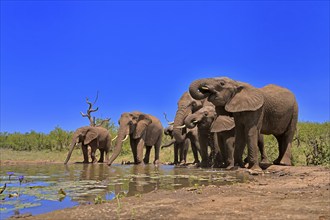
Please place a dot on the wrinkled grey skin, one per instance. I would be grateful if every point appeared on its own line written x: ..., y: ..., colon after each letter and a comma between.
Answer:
x: 186, y: 106
x: 143, y: 130
x: 268, y: 110
x: 180, y: 149
x: 224, y: 127
x: 203, y: 119
x: 96, y: 138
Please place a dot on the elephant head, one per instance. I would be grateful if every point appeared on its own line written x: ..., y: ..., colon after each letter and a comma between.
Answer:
x: 132, y: 124
x: 84, y: 135
x: 169, y: 131
x: 234, y: 96
x: 203, y: 118
x: 186, y: 106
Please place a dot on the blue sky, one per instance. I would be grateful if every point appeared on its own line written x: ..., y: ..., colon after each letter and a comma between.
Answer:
x: 142, y: 55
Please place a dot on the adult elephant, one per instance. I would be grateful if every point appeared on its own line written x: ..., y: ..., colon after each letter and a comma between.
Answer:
x: 143, y: 130
x: 223, y: 126
x: 180, y: 149
x: 268, y: 110
x: 186, y: 106
x: 96, y: 138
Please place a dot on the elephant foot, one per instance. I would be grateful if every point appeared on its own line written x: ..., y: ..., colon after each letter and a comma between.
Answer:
x: 156, y: 162
x: 85, y: 161
x: 283, y: 162
x: 264, y: 161
x: 146, y: 161
x: 231, y: 167
x: 254, y: 167
x: 240, y: 164
x: 196, y: 162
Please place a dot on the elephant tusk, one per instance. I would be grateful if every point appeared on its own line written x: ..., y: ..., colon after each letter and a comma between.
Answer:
x: 205, y: 88
x: 182, y: 126
x: 114, y: 138
x: 170, y: 123
x: 194, y: 121
x: 125, y: 138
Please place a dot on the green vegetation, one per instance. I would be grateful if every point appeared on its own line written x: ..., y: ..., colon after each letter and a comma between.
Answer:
x: 311, y: 145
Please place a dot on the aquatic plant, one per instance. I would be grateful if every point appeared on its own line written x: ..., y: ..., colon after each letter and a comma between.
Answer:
x: 10, y: 174
x: 20, y: 178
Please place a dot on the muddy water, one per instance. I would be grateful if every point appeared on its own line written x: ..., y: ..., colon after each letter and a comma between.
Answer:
x: 47, y: 187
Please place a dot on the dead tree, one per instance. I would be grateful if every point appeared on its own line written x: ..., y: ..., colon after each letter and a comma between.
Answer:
x: 90, y: 110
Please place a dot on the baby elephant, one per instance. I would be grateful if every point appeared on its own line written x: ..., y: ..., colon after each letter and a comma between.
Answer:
x: 96, y: 138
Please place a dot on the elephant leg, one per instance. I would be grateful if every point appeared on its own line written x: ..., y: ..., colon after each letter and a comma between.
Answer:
x: 93, y: 150
x: 139, y: 149
x: 284, y: 157
x: 84, y: 149
x: 133, y: 143
x: 101, y: 156
x: 203, y: 141
x: 261, y: 146
x: 147, y: 154
x: 182, y: 151
x: 240, y: 143
x: 252, y: 142
x: 195, y: 153
x: 157, y: 150
x: 176, y: 153
x: 229, y: 143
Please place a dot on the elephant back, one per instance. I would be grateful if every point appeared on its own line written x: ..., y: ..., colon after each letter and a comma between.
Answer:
x: 280, y: 107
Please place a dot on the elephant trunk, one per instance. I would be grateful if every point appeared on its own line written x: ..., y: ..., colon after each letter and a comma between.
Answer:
x: 73, y: 144
x: 122, y: 136
x: 191, y: 121
x: 196, y: 91
x: 179, y: 121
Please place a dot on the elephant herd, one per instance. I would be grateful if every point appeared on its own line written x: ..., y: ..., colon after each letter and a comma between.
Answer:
x: 220, y: 114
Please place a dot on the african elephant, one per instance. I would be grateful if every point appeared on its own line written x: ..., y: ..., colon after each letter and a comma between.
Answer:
x: 224, y: 127
x: 186, y: 106
x: 203, y: 119
x: 143, y: 130
x: 180, y: 149
x: 96, y: 138
x: 268, y: 110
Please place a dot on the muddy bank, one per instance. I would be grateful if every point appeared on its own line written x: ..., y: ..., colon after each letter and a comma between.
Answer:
x: 280, y: 193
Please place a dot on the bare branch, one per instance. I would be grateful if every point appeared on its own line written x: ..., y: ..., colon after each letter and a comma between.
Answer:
x: 103, y: 121
x: 166, y: 117
x: 90, y: 110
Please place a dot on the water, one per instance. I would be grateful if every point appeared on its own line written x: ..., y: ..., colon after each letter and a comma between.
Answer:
x: 43, y: 185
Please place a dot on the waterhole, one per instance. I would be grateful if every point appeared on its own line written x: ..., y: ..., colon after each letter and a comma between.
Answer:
x: 41, y: 188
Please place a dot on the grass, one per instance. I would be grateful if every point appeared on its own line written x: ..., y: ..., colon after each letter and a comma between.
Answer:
x: 166, y: 155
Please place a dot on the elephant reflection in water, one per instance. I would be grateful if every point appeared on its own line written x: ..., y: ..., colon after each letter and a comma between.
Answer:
x: 94, y: 172
x: 141, y: 181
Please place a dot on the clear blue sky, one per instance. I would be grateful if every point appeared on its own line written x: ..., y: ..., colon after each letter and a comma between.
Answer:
x: 142, y: 55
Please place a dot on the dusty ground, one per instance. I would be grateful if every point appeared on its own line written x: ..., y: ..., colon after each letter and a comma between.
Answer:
x: 281, y: 193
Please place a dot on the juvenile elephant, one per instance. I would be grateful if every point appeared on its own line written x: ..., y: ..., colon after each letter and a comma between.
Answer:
x: 180, y: 149
x: 186, y: 106
x: 143, y: 130
x: 223, y: 127
x: 96, y: 138
x: 268, y: 110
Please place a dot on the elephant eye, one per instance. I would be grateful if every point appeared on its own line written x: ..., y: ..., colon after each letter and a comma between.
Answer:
x: 130, y: 123
x: 222, y: 83
x: 205, y: 114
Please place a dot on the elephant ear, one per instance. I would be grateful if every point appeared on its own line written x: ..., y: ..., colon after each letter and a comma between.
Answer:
x: 223, y: 123
x: 247, y: 98
x: 143, y: 121
x: 90, y: 136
